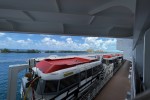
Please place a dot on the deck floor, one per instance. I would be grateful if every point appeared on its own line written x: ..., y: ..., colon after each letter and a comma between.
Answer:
x: 117, y: 87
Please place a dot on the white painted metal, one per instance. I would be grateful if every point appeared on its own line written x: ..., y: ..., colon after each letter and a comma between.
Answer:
x: 132, y: 80
x: 12, y: 80
x: 61, y: 96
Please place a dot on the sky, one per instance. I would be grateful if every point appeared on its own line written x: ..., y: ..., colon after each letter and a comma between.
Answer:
x: 55, y: 42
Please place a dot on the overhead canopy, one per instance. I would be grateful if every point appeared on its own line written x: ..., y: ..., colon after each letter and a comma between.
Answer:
x: 106, y: 18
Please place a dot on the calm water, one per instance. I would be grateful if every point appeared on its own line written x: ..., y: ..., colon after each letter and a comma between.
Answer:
x: 18, y: 58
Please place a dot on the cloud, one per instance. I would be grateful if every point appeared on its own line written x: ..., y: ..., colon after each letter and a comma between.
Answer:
x: 63, y: 37
x: 45, y: 35
x: 52, y: 43
x: 97, y: 43
x: 28, y: 41
x: 30, y: 35
x: 69, y: 40
x: 9, y: 38
x: 110, y: 44
x: 17, y: 44
x: 2, y: 34
x: 71, y: 44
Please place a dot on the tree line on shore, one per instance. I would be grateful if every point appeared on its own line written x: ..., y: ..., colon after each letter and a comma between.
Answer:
x: 5, y: 50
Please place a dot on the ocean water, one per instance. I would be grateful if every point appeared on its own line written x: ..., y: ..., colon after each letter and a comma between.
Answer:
x: 18, y: 58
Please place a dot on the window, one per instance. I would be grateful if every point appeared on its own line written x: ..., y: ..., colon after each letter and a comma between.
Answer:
x: 120, y: 57
x: 111, y: 61
x: 107, y: 62
x: 66, y: 82
x: 51, y: 86
x: 104, y: 61
x: 100, y: 67
x: 82, y: 75
x: 89, y: 73
x: 96, y: 69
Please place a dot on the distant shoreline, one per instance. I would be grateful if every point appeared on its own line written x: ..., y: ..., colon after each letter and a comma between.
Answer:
x: 38, y: 51
x: 5, y: 50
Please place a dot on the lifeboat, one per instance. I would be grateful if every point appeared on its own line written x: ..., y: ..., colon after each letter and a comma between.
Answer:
x: 52, y: 65
x: 67, y: 78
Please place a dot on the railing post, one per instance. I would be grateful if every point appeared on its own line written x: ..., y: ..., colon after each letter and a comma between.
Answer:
x: 133, y: 80
x: 12, y: 80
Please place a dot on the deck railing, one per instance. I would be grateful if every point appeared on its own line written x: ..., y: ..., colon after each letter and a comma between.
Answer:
x: 133, y: 81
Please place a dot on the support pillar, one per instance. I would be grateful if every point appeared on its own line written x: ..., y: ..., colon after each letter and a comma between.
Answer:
x: 146, y: 63
x: 139, y: 57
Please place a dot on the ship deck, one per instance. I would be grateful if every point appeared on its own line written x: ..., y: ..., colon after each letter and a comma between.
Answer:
x: 117, y: 87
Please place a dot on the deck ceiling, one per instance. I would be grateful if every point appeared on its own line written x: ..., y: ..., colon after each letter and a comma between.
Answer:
x: 105, y: 18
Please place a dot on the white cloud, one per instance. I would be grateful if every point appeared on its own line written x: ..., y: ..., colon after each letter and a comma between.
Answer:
x: 9, y: 38
x: 17, y: 44
x: 97, y: 43
x: 45, y: 35
x: 110, y: 44
x: 28, y: 39
x: 46, y: 39
x: 63, y: 37
x: 2, y: 34
x: 69, y: 40
x: 30, y: 34
x: 25, y: 42
x: 69, y: 43
x: 51, y: 43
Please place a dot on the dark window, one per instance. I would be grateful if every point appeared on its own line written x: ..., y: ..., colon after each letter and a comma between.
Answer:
x: 104, y: 61
x: 120, y: 57
x: 51, y: 86
x: 89, y: 73
x: 107, y: 62
x: 111, y: 61
x: 66, y: 82
x: 101, y: 67
x: 82, y: 75
x: 96, y: 69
